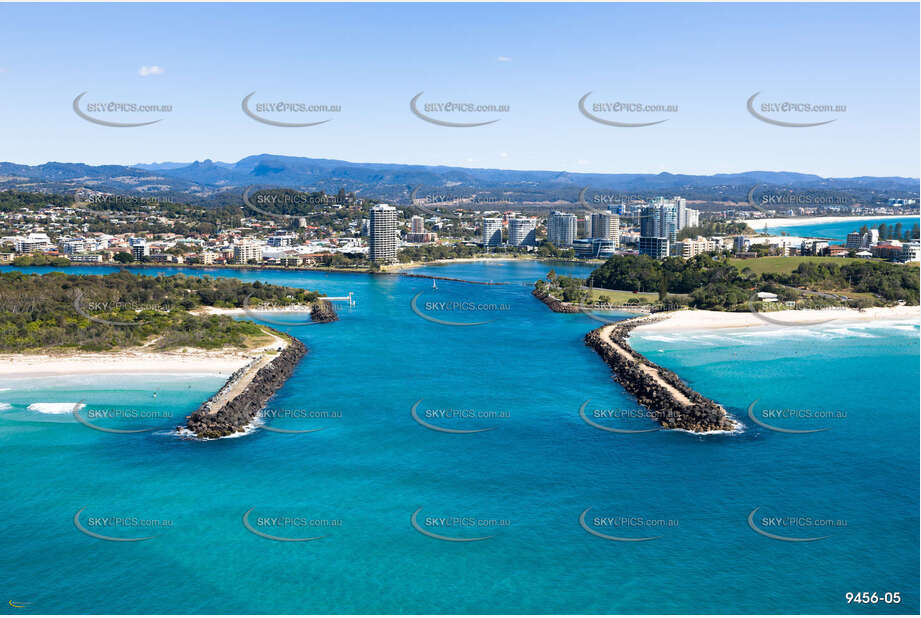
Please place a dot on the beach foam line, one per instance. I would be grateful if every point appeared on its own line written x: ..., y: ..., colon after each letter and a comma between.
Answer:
x: 55, y: 408
x: 5, y: 406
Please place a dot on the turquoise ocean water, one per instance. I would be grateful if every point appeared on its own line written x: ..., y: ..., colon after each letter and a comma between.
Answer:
x: 837, y: 231
x: 523, y: 484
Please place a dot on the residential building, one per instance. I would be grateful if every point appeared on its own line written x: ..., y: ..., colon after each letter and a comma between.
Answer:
x: 814, y: 247
x: 281, y: 239
x: 245, y: 252
x: 139, y: 249
x: 891, y: 250
x: 584, y: 225
x: 85, y: 258
x: 522, y: 232
x: 741, y: 244
x: 689, y: 248
x: 654, y: 246
x: 35, y: 241
x: 382, y: 233
x: 491, y: 232
x: 561, y: 228
x: 606, y: 225
x: 72, y: 246
x: 417, y: 231
x: 854, y: 240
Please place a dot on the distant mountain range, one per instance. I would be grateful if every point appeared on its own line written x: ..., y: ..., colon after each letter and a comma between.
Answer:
x: 210, y: 181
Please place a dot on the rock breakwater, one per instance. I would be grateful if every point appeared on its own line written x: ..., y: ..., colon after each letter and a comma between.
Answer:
x: 215, y: 419
x: 673, y: 404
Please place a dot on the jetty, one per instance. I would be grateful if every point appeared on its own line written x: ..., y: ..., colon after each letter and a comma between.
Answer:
x: 674, y: 405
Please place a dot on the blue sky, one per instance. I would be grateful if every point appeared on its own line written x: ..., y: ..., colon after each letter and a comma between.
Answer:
x: 538, y: 59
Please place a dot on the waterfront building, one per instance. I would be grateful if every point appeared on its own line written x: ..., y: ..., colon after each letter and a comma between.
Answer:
x: 382, y: 228
x: 72, y: 246
x: 245, y: 252
x: 491, y: 232
x: 139, y: 249
x: 85, y: 258
x: 561, y: 228
x: 522, y: 232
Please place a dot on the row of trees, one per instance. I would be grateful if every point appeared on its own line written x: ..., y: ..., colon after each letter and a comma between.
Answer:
x: 895, y: 232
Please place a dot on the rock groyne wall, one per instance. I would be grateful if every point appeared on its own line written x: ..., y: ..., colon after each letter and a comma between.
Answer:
x: 555, y: 304
x: 322, y: 311
x: 701, y: 415
x: 240, y: 411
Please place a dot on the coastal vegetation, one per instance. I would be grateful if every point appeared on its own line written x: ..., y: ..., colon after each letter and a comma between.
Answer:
x: 716, y: 228
x: 98, y: 313
x: 703, y: 282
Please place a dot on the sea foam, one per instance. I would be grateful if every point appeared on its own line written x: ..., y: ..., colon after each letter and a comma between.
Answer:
x: 56, y: 408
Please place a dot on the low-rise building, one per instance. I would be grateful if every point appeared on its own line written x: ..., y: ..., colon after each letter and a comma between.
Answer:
x: 35, y: 241
x: 888, y: 251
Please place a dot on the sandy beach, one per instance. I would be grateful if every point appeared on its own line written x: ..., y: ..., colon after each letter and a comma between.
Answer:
x: 712, y: 320
x: 138, y: 361
x: 795, y: 221
x: 293, y: 309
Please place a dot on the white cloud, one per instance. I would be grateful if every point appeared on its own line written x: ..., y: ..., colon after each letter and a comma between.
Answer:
x: 151, y: 70
x: 504, y: 155
x: 504, y: 59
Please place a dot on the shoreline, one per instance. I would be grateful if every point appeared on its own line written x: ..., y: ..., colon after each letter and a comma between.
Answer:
x: 697, y: 319
x: 126, y: 362
x: 803, y: 221
x: 136, y: 361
